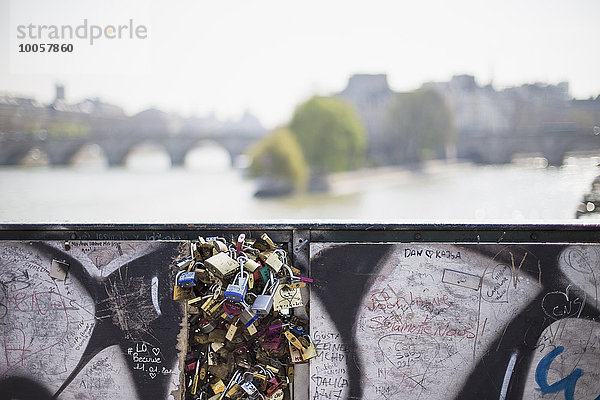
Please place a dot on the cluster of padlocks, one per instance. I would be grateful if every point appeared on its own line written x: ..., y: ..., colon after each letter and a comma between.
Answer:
x: 244, y: 338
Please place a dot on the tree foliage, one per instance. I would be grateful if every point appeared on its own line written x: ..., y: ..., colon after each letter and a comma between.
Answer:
x: 330, y: 133
x: 419, y: 126
x: 279, y: 157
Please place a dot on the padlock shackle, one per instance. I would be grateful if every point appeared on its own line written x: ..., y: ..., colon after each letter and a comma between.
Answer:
x: 269, y: 281
x: 252, y: 293
x: 242, y: 260
x: 215, y: 288
x: 282, y: 255
x: 232, y: 252
x: 262, y: 369
x: 289, y: 270
x: 215, y: 238
x: 231, y: 382
x: 273, y: 286
x: 179, y: 274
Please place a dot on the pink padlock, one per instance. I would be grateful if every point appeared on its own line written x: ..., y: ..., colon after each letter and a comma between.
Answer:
x: 271, y: 341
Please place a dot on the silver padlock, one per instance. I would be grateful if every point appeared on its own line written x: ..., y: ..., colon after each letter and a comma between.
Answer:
x: 236, y: 290
x: 249, y: 387
x: 264, y: 301
x: 248, y: 316
x: 186, y: 279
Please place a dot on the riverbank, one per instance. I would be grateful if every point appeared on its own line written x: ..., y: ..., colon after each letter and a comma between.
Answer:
x: 345, y: 183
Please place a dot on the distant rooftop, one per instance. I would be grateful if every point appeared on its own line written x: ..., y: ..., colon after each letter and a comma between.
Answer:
x: 361, y: 83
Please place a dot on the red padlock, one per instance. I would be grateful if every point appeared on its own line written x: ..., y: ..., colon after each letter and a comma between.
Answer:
x: 273, y: 384
x: 191, y: 367
x: 232, y: 308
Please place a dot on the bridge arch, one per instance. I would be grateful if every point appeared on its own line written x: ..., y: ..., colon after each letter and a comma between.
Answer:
x: 34, y: 156
x: 207, y: 154
x: 145, y: 155
x: 88, y: 154
x: 15, y: 154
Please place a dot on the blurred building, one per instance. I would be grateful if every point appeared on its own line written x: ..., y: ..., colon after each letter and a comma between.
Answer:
x: 93, y: 117
x: 371, y: 96
x: 479, y: 111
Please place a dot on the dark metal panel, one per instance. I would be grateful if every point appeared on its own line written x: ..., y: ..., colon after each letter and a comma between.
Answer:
x: 327, y: 232
x: 150, y: 232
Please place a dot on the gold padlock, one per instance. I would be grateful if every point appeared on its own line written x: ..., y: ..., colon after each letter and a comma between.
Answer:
x: 295, y: 354
x: 308, y: 352
x: 268, y: 240
x: 235, y: 391
x: 231, y: 331
x: 180, y: 293
x: 202, y: 372
x: 200, y: 338
x: 221, y: 265
x: 278, y: 395
x: 251, y: 329
x: 251, y: 265
x: 218, y: 335
x: 214, y: 309
x: 218, y: 386
x: 274, y: 262
x: 195, y: 301
x: 207, y: 305
x: 260, y: 381
x: 293, y: 339
x: 196, y: 379
x: 286, y: 297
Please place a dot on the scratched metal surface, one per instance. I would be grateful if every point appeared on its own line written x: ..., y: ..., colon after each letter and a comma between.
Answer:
x: 395, y: 312
x: 109, y: 331
x: 441, y: 321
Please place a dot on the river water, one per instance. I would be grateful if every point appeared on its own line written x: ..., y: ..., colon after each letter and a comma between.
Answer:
x: 212, y: 192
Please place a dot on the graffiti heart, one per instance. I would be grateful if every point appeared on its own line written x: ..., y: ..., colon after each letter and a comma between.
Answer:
x: 567, y: 304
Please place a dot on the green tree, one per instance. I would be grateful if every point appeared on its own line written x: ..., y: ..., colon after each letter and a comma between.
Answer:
x: 330, y: 133
x: 279, y: 157
x: 419, y: 126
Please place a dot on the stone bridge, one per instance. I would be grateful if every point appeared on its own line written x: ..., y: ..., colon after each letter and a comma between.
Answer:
x: 61, y: 150
x: 553, y: 144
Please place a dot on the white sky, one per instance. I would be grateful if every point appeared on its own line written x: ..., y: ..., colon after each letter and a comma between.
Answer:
x: 265, y: 56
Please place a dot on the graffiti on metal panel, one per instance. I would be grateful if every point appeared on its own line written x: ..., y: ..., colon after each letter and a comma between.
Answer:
x: 109, y: 329
x: 444, y: 321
